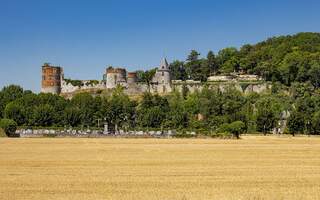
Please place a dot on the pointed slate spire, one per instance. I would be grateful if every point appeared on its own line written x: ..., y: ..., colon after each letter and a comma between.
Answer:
x: 164, y: 64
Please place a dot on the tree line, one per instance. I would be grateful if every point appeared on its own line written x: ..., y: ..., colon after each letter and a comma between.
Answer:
x: 209, y: 111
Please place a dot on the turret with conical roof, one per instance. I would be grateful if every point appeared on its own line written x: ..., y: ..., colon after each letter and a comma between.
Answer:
x: 163, y: 77
x: 164, y: 65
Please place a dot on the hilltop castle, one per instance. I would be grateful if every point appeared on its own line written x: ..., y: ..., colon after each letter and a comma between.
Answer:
x: 53, y: 81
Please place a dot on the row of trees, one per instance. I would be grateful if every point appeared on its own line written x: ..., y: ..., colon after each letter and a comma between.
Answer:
x: 286, y: 59
x: 207, y: 111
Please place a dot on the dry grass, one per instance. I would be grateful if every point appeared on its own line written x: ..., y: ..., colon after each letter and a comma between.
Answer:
x: 251, y: 168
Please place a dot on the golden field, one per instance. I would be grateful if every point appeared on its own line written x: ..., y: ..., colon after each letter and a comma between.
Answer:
x: 163, y: 169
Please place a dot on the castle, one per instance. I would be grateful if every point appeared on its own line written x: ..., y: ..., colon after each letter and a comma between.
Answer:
x: 53, y: 81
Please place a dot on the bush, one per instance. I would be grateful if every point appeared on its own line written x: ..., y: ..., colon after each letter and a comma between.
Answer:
x: 224, y: 128
x: 9, y: 126
x: 235, y: 128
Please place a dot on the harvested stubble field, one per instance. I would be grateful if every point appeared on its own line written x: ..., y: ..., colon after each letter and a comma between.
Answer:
x: 169, y: 169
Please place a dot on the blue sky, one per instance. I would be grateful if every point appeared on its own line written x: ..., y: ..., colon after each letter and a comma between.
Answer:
x: 86, y: 36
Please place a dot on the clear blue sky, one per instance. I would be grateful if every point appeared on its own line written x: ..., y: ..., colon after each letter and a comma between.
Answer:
x: 86, y: 36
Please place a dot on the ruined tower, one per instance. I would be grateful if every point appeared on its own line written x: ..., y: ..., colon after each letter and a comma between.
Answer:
x: 115, y: 76
x: 132, y: 78
x: 51, y: 79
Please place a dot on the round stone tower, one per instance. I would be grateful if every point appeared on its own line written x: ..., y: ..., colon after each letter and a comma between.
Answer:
x: 163, y: 77
x: 132, y: 78
x: 164, y: 72
x: 51, y: 79
x: 115, y: 76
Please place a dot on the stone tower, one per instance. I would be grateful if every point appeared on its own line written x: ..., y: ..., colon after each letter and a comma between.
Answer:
x: 115, y: 76
x: 51, y: 79
x: 163, y: 77
x: 132, y: 78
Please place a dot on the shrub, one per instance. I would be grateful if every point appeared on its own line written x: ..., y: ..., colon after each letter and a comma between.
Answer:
x: 235, y: 128
x: 224, y: 128
x: 9, y: 126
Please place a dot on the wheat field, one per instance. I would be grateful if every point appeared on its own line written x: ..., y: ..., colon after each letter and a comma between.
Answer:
x: 162, y: 169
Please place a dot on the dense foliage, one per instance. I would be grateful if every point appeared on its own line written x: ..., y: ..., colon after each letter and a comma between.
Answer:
x: 209, y: 111
x: 286, y: 59
x: 9, y: 126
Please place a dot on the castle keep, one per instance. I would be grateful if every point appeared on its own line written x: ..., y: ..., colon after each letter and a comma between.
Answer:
x: 53, y: 81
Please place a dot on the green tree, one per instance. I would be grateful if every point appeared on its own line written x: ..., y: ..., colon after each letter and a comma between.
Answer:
x: 314, y: 74
x: 152, y: 111
x: 121, y: 109
x: 177, y: 70
x: 87, y: 106
x: 237, y: 128
x: 8, y: 94
x: 43, y: 115
x: 296, y: 123
x: 177, y: 116
x: 268, y: 114
x: 194, y: 66
x: 193, y: 56
x: 146, y: 77
x: 72, y: 116
x: 233, y: 101
x: 9, y: 126
x: 228, y: 60
x: 316, y: 122
x: 15, y: 111
x: 212, y: 63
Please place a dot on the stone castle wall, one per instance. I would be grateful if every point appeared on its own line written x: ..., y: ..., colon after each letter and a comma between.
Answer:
x: 246, y: 89
x: 69, y: 88
x: 161, y: 83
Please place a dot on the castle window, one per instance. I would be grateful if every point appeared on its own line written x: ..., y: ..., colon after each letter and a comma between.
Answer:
x: 162, y: 73
x: 44, y: 78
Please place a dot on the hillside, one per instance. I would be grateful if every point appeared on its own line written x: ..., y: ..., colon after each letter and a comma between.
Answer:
x: 286, y: 59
